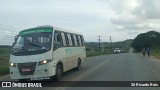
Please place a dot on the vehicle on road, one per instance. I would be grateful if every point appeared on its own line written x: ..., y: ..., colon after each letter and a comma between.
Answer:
x: 45, y: 52
x: 117, y: 50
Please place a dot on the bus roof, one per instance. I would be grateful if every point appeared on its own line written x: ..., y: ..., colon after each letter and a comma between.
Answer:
x: 59, y: 29
x: 54, y: 28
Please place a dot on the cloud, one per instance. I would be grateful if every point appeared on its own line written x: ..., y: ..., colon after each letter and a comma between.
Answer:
x: 144, y: 16
x: 89, y: 17
x: 125, y: 20
x: 132, y: 33
x: 148, y: 9
x: 7, y: 34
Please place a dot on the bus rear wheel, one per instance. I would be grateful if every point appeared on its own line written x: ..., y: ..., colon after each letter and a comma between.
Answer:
x: 78, y: 65
x: 59, y: 72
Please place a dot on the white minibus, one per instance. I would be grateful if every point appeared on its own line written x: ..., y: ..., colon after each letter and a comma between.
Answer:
x: 45, y: 52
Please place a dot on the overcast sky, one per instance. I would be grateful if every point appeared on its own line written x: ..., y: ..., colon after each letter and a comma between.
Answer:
x: 121, y: 19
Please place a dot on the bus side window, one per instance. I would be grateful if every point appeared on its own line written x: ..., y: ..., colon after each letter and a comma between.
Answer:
x: 70, y: 40
x: 57, y: 40
x: 80, y: 42
x: 75, y: 40
x: 67, y: 40
x: 63, y: 39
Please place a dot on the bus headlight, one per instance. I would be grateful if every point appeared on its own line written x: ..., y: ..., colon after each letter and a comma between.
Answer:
x: 13, y: 64
x: 44, y: 61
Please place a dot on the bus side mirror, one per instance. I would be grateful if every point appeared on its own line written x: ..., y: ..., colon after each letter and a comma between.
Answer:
x: 13, y: 44
x: 15, y: 38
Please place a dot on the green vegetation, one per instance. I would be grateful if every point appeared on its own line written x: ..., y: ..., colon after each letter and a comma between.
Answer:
x: 4, y: 60
x: 145, y: 40
x: 155, y: 51
x: 4, y: 69
x: 149, y: 39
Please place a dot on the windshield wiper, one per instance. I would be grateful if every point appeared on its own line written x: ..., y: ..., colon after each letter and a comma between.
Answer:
x: 43, y: 48
x: 18, y: 50
x: 24, y: 49
x: 34, y: 45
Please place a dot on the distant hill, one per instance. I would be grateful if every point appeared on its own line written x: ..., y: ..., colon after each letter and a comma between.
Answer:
x: 5, y: 46
x: 125, y: 45
x: 92, y: 44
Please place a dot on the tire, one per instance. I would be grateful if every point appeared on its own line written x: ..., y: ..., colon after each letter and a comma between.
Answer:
x: 59, y: 72
x: 79, y: 65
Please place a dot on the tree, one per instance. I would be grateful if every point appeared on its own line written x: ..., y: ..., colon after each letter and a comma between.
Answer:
x: 145, y: 40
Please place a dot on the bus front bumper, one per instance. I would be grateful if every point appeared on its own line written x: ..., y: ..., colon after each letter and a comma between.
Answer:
x: 38, y: 73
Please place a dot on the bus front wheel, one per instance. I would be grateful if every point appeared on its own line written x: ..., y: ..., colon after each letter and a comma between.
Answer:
x: 59, y: 72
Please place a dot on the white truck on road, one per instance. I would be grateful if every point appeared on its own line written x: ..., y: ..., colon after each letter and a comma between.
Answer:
x: 117, y: 50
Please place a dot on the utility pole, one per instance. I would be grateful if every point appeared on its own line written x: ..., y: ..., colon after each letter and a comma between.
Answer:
x: 99, y: 41
x: 100, y: 44
x: 102, y: 47
x: 111, y: 43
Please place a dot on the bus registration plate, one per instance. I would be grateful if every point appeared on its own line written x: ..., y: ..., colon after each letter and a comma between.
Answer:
x: 40, y: 78
x: 26, y: 69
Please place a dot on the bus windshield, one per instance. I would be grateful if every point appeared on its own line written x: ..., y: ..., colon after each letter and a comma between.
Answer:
x: 35, y: 41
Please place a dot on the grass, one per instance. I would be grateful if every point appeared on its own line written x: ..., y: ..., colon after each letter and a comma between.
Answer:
x: 4, y: 69
x: 4, y: 61
x: 156, y: 53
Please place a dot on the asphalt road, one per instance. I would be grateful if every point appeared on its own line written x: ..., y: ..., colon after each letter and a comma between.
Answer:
x: 115, y: 67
